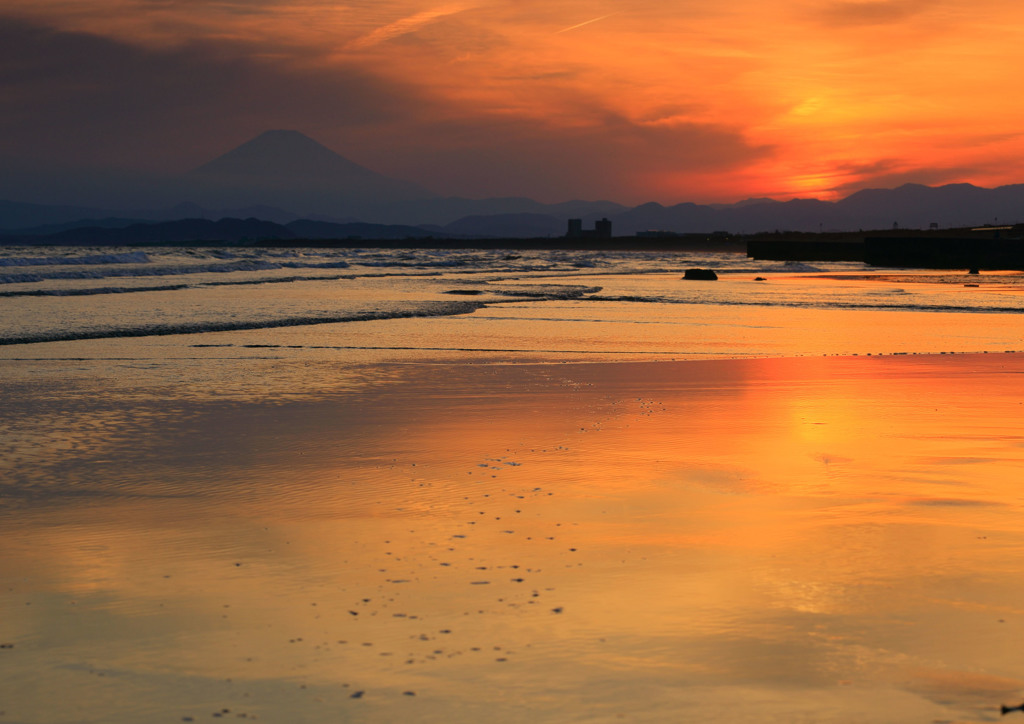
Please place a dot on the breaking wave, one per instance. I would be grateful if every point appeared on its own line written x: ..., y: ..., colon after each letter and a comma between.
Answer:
x: 132, y: 257
x: 90, y: 291
x: 791, y: 303
x: 244, y: 265
x: 427, y: 309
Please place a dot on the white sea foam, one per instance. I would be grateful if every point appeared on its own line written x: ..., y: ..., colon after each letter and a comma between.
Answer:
x: 132, y: 257
x: 70, y: 294
x: 436, y: 309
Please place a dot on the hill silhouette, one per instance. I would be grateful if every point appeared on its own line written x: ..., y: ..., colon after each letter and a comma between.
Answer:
x: 284, y: 176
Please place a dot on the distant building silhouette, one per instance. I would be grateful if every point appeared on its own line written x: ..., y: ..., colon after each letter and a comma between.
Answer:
x: 602, y: 230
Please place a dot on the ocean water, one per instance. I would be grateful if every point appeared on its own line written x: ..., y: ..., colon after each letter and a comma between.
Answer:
x: 517, y: 305
x: 362, y: 486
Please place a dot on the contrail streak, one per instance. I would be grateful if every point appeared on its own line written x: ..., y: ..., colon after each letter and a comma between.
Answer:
x: 405, y: 26
x: 588, y: 22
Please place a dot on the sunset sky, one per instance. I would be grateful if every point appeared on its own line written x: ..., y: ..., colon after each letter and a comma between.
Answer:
x: 629, y: 100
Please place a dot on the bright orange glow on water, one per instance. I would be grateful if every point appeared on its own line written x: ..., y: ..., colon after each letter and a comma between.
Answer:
x: 832, y: 538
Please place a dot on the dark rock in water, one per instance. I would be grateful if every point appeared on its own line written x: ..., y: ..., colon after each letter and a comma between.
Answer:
x: 760, y: 279
x: 701, y: 274
x: 1004, y: 710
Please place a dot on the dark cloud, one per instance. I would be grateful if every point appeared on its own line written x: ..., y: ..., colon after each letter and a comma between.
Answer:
x: 79, y: 98
x: 668, y: 112
x: 876, y: 12
x: 544, y: 76
x: 613, y: 158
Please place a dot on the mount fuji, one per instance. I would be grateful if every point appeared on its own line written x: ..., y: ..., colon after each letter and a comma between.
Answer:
x: 288, y: 169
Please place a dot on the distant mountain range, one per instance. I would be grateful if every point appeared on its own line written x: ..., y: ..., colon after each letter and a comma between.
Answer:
x: 911, y: 206
x: 226, y: 230
x: 282, y: 178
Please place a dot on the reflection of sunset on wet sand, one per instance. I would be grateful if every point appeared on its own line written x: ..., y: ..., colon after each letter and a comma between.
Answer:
x: 771, y: 539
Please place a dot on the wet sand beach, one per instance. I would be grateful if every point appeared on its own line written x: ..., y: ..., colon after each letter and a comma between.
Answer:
x: 804, y: 539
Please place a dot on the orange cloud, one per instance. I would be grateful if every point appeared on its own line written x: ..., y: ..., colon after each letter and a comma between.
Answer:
x: 817, y: 92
